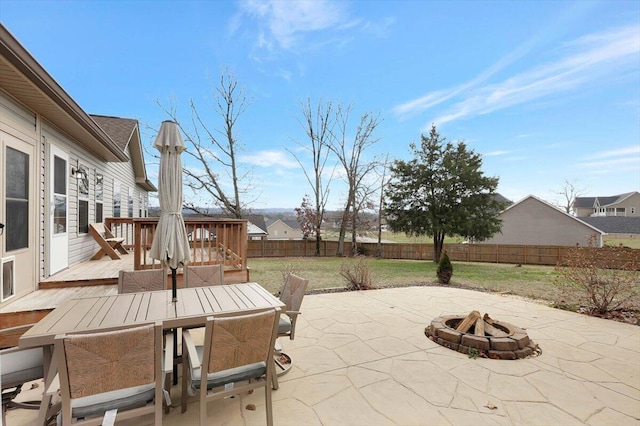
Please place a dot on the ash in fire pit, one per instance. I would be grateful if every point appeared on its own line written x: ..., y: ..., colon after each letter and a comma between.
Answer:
x: 493, y: 339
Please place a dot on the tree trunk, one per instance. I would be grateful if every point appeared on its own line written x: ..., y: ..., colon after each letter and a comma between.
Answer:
x: 342, y: 234
x: 379, y: 246
x: 354, y: 229
x: 438, y: 245
x: 317, y: 242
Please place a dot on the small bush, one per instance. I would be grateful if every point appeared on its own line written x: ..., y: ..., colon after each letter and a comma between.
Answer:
x: 357, y: 274
x: 445, y: 269
x: 289, y: 268
x: 602, y: 280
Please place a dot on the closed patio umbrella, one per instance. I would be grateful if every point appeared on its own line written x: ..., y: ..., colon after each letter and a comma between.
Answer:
x: 170, y: 244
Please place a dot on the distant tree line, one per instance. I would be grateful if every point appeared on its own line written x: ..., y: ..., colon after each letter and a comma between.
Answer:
x: 440, y: 191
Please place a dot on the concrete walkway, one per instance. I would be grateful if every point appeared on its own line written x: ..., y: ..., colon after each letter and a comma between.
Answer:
x: 362, y: 358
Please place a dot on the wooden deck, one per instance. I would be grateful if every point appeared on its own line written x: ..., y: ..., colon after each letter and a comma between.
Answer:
x: 91, y: 272
x: 91, y: 278
x: 87, y: 279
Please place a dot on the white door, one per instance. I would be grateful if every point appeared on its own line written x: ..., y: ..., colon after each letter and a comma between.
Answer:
x: 18, y: 207
x: 58, y: 250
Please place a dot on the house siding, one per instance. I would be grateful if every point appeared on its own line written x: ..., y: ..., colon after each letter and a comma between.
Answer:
x: 82, y: 246
x: 533, y: 222
x: 279, y: 230
x: 20, y: 123
x: 631, y: 204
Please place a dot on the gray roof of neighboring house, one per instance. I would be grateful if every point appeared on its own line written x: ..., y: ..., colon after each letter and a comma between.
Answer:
x: 603, y: 201
x: 502, y: 199
x: 614, y: 224
x: 292, y: 223
x: 255, y: 219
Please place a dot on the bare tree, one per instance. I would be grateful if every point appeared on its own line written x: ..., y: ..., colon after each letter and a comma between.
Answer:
x: 356, y: 168
x: 568, y: 193
x: 216, y: 151
x: 383, y: 181
x: 318, y: 123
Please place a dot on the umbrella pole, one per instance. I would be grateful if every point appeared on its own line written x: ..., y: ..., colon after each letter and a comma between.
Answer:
x: 174, y: 285
x: 174, y: 294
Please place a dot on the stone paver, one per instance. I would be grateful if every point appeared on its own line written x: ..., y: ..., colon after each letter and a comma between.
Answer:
x: 363, y: 358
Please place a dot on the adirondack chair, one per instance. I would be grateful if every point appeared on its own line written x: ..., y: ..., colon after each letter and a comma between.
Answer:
x: 109, y: 244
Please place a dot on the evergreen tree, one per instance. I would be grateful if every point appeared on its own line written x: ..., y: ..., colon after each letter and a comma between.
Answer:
x: 442, y: 191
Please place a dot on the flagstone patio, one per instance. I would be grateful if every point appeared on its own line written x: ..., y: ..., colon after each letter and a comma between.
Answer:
x: 362, y: 358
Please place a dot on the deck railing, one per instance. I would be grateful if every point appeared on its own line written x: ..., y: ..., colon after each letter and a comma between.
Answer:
x: 211, y: 241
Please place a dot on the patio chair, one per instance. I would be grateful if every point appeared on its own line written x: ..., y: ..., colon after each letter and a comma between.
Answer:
x: 142, y: 280
x: 114, y: 374
x: 205, y: 275
x: 18, y: 366
x: 236, y: 357
x: 109, y: 244
x: 291, y: 295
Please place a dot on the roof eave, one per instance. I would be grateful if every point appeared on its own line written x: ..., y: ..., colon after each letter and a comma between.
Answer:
x: 40, y: 92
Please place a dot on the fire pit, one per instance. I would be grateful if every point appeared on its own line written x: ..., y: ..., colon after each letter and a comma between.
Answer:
x: 482, y: 335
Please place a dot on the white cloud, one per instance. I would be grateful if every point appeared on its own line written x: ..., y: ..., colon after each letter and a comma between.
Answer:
x: 270, y: 159
x: 632, y: 162
x: 283, y: 23
x: 584, y: 61
x: 630, y: 150
x: 495, y: 153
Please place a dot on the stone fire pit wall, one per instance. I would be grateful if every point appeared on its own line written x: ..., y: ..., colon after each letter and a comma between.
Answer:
x: 511, y: 343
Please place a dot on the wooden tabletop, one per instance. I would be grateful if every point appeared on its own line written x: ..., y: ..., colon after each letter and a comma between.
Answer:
x: 191, y: 309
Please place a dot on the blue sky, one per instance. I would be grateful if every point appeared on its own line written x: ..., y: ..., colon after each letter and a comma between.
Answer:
x: 547, y: 91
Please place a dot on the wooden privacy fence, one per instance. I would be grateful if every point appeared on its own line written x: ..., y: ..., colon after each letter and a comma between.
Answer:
x: 515, y: 254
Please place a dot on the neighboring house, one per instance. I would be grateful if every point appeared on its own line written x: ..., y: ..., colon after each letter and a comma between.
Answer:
x: 256, y: 228
x: 627, y: 205
x: 284, y: 229
x: 532, y: 221
x: 61, y: 169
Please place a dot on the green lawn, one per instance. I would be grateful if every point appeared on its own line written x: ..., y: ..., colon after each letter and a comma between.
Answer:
x: 535, y: 282
x: 627, y: 242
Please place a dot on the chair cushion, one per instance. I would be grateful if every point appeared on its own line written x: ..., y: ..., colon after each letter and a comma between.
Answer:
x: 21, y: 366
x: 284, y: 325
x: 122, y: 399
x: 220, y: 378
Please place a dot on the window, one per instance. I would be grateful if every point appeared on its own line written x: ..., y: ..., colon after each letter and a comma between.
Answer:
x: 633, y: 210
x: 140, y: 205
x: 99, y: 214
x: 116, y: 198
x: 98, y: 197
x: 17, y: 200
x: 130, y: 203
x: 7, y: 279
x: 83, y: 200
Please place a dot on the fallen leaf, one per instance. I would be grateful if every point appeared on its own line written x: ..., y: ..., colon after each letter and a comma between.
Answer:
x: 490, y: 406
x: 251, y: 407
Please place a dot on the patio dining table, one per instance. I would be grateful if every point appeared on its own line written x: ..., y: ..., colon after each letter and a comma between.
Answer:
x: 191, y: 309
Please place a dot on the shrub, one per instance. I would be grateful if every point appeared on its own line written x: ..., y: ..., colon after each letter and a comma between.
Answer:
x: 357, y: 274
x: 603, y: 280
x: 289, y: 268
x: 445, y: 269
